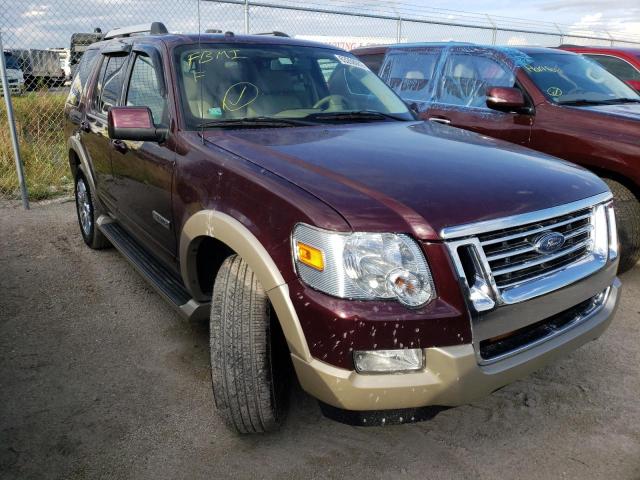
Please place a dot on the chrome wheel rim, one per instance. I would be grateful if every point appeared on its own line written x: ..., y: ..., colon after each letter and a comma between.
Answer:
x: 83, y: 204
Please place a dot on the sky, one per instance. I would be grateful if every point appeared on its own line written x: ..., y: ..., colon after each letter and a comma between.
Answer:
x: 49, y: 23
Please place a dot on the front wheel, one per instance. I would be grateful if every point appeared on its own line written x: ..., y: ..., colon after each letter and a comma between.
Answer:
x: 627, y: 210
x: 249, y: 357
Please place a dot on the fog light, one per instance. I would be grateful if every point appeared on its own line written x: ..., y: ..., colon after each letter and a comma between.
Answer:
x: 388, y: 361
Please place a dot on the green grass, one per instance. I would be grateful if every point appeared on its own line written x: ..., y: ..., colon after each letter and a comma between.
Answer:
x: 40, y: 126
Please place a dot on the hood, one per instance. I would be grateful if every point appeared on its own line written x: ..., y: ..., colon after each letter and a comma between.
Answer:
x: 411, y: 177
x: 629, y: 111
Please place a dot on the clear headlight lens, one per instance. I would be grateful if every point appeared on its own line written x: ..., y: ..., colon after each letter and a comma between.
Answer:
x: 363, y: 265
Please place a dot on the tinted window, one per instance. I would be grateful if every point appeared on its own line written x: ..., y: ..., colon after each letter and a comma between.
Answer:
x: 373, y: 61
x: 569, y: 78
x: 620, y: 68
x: 466, y: 78
x: 82, y: 76
x: 11, y: 62
x: 144, y: 90
x: 109, y: 84
x: 409, y: 73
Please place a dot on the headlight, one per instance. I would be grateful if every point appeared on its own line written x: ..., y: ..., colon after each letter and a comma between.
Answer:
x: 363, y: 265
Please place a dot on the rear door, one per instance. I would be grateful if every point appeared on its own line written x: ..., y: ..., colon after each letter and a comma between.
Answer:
x: 143, y: 171
x: 459, y: 97
x: 106, y: 93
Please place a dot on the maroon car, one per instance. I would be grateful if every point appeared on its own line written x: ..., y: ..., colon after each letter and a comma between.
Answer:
x: 279, y: 189
x: 623, y: 62
x: 553, y: 101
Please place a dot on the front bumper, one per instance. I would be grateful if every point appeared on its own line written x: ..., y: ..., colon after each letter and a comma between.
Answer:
x: 452, y: 375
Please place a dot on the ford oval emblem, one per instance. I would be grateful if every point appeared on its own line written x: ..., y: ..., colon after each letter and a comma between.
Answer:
x: 549, y: 243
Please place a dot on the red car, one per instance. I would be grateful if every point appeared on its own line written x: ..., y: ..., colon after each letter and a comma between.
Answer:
x: 550, y: 100
x: 624, y: 63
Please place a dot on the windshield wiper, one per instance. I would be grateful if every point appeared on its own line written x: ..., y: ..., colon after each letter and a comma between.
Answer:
x: 353, y: 115
x: 611, y: 101
x: 624, y: 100
x: 253, y: 122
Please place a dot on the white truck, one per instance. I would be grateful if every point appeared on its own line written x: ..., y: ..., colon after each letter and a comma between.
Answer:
x: 41, y: 68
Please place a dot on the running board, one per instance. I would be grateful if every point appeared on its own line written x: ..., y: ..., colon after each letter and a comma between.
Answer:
x: 160, y: 277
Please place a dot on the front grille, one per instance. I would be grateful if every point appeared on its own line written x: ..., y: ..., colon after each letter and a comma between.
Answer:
x: 513, y: 257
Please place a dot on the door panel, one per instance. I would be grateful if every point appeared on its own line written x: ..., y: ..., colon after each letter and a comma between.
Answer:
x: 143, y: 171
x: 460, y: 97
x: 95, y: 136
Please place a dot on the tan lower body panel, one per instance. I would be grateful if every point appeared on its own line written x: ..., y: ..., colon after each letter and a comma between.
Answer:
x: 451, y: 376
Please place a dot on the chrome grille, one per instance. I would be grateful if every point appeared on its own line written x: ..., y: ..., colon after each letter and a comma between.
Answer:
x: 512, y: 255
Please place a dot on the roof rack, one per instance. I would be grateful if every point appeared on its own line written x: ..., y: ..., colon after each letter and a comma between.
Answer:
x: 274, y: 33
x: 155, y: 28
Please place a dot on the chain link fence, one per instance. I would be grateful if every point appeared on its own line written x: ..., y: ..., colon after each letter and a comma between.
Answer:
x: 37, y: 37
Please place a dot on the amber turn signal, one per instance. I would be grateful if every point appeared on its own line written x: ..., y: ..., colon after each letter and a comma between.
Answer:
x: 310, y: 256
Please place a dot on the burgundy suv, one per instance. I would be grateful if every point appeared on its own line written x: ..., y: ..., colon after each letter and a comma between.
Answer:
x: 553, y: 101
x: 279, y: 189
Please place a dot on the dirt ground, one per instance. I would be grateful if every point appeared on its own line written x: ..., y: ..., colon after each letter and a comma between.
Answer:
x: 100, y: 379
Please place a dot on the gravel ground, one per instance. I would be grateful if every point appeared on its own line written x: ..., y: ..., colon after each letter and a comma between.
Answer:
x: 100, y: 379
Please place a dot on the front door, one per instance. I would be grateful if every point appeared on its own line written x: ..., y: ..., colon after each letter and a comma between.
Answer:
x: 143, y: 171
x: 460, y: 96
x: 106, y: 94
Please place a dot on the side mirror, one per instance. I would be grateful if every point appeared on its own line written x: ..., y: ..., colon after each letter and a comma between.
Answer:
x: 505, y: 99
x: 134, y: 123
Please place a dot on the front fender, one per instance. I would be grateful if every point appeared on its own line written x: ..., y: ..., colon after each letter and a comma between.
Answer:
x: 239, y: 238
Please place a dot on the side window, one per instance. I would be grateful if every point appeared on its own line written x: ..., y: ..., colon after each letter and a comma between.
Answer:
x: 87, y: 62
x: 109, y: 84
x: 465, y: 80
x: 144, y: 90
x: 621, y: 69
x: 409, y: 73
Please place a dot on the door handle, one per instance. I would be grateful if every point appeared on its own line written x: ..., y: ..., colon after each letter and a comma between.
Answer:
x: 119, y: 146
x: 442, y: 120
x: 85, y: 127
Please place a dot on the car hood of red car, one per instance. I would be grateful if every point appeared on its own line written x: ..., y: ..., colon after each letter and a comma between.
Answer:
x: 411, y: 176
x: 627, y: 110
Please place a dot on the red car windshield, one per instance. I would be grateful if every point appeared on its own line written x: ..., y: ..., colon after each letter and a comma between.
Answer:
x: 574, y: 79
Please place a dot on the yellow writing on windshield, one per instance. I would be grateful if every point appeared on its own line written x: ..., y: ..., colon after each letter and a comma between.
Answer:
x: 205, y: 56
x: 542, y: 69
x: 239, y: 95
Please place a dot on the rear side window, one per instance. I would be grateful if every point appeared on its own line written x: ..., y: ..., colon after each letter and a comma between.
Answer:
x: 409, y: 73
x: 79, y: 83
x: 373, y: 61
x: 144, y: 90
x: 109, y: 84
x: 620, y: 68
x: 466, y: 78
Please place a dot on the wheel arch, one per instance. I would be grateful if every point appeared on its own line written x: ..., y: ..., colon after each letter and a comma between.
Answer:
x: 78, y: 161
x: 240, y: 240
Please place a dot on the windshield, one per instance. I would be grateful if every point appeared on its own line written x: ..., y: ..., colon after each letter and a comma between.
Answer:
x: 220, y: 82
x: 565, y: 79
x: 11, y: 61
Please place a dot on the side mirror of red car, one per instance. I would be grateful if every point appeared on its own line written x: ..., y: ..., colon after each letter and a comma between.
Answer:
x: 505, y: 99
x: 134, y: 123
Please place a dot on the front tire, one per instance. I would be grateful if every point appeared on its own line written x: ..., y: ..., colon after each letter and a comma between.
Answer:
x: 87, y: 212
x: 627, y: 210
x: 248, y: 353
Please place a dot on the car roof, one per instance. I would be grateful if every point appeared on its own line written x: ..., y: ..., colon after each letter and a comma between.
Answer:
x: 175, y: 39
x: 402, y: 46
x: 632, y: 50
